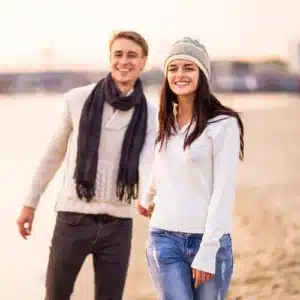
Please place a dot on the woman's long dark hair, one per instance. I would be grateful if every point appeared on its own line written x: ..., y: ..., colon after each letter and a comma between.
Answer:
x: 206, y: 106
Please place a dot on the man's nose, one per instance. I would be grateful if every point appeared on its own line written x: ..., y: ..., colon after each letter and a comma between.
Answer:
x: 123, y: 60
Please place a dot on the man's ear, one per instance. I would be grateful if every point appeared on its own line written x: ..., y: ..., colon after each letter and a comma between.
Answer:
x: 144, y: 63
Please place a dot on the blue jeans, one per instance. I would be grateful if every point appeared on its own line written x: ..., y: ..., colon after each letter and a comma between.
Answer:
x: 170, y: 255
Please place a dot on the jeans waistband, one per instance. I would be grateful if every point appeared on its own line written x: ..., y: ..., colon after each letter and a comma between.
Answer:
x: 178, y: 233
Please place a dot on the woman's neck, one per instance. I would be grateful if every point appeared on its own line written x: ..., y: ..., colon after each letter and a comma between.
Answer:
x: 184, y: 110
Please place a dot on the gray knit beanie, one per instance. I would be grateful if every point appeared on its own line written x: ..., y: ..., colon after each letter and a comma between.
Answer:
x: 189, y: 49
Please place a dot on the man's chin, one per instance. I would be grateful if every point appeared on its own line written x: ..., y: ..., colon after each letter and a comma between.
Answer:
x: 124, y: 80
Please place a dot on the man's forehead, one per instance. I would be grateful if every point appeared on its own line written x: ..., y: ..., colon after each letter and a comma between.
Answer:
x: 125, y: 50
x: 124, y: 45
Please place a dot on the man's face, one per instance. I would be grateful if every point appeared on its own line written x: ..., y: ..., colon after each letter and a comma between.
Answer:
x: 126, y: 61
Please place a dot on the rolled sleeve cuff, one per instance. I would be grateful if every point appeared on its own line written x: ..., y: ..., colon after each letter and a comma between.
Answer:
x: 205, y: 260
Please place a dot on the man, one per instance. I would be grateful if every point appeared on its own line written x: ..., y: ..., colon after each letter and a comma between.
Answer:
x: 108, y: 131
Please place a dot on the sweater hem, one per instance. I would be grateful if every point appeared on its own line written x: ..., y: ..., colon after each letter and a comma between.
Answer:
x: 79, y: 206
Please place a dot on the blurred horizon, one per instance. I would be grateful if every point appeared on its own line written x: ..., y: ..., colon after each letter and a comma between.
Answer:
x: 64, y: 34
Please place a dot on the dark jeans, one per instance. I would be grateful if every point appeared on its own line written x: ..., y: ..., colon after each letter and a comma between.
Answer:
x: 75, y: 236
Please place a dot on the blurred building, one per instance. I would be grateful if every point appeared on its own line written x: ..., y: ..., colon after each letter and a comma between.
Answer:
x: 228, y: 76
x: 294, y: 56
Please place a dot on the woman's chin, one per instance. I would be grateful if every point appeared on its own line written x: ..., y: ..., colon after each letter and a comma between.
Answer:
x: 182, y: 92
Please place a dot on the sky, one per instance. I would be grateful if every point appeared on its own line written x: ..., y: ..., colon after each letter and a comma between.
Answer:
x: 78, y: 31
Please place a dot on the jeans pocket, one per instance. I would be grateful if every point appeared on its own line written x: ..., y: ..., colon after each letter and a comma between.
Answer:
x: 122, y: 224
x: 69, y: 218
x: 162, y: 248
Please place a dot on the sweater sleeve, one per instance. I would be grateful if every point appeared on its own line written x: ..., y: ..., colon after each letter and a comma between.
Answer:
x: 225, y: 158
x: 149, y: 191
x: 146, y: 178
x: 52, y: 158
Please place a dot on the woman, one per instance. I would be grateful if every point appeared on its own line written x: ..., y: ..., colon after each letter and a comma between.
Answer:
x: 199, y: 142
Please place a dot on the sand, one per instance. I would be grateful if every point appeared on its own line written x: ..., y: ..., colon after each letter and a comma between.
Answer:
x: 266, y: 233
x: 266, y: 219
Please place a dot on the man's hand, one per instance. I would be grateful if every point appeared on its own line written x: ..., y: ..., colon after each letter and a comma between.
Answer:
x: 25, y: 221
x: 144, y: 211
x: 201, y: 276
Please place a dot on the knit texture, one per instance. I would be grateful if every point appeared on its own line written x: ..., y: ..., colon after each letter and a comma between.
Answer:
x: 190, y: 49
x: 63, y: 148
x: 89, y: 138
x: 194, y: 189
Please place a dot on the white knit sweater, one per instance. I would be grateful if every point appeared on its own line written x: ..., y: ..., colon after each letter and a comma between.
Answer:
x: 64, y: 144
x: 193, y: 190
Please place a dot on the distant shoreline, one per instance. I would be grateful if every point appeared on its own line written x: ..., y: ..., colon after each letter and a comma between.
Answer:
x: 226, y: 77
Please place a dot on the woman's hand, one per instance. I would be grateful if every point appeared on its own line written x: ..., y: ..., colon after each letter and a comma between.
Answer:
x: 142, y: 210
x: 200, y: 277
x: 150, y: 209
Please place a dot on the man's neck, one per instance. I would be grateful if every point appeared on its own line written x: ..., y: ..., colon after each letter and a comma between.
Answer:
x: 125, y: 89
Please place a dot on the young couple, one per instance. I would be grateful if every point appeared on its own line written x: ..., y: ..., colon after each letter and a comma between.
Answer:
x: 181, y: 173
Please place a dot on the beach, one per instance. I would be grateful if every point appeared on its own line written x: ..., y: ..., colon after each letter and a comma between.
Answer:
x: 266, y: 223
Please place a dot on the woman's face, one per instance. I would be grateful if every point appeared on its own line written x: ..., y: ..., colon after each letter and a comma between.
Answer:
x: 183, y: 77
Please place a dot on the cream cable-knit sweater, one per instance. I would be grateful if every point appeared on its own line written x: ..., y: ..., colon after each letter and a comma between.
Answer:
x: 64, y: 146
